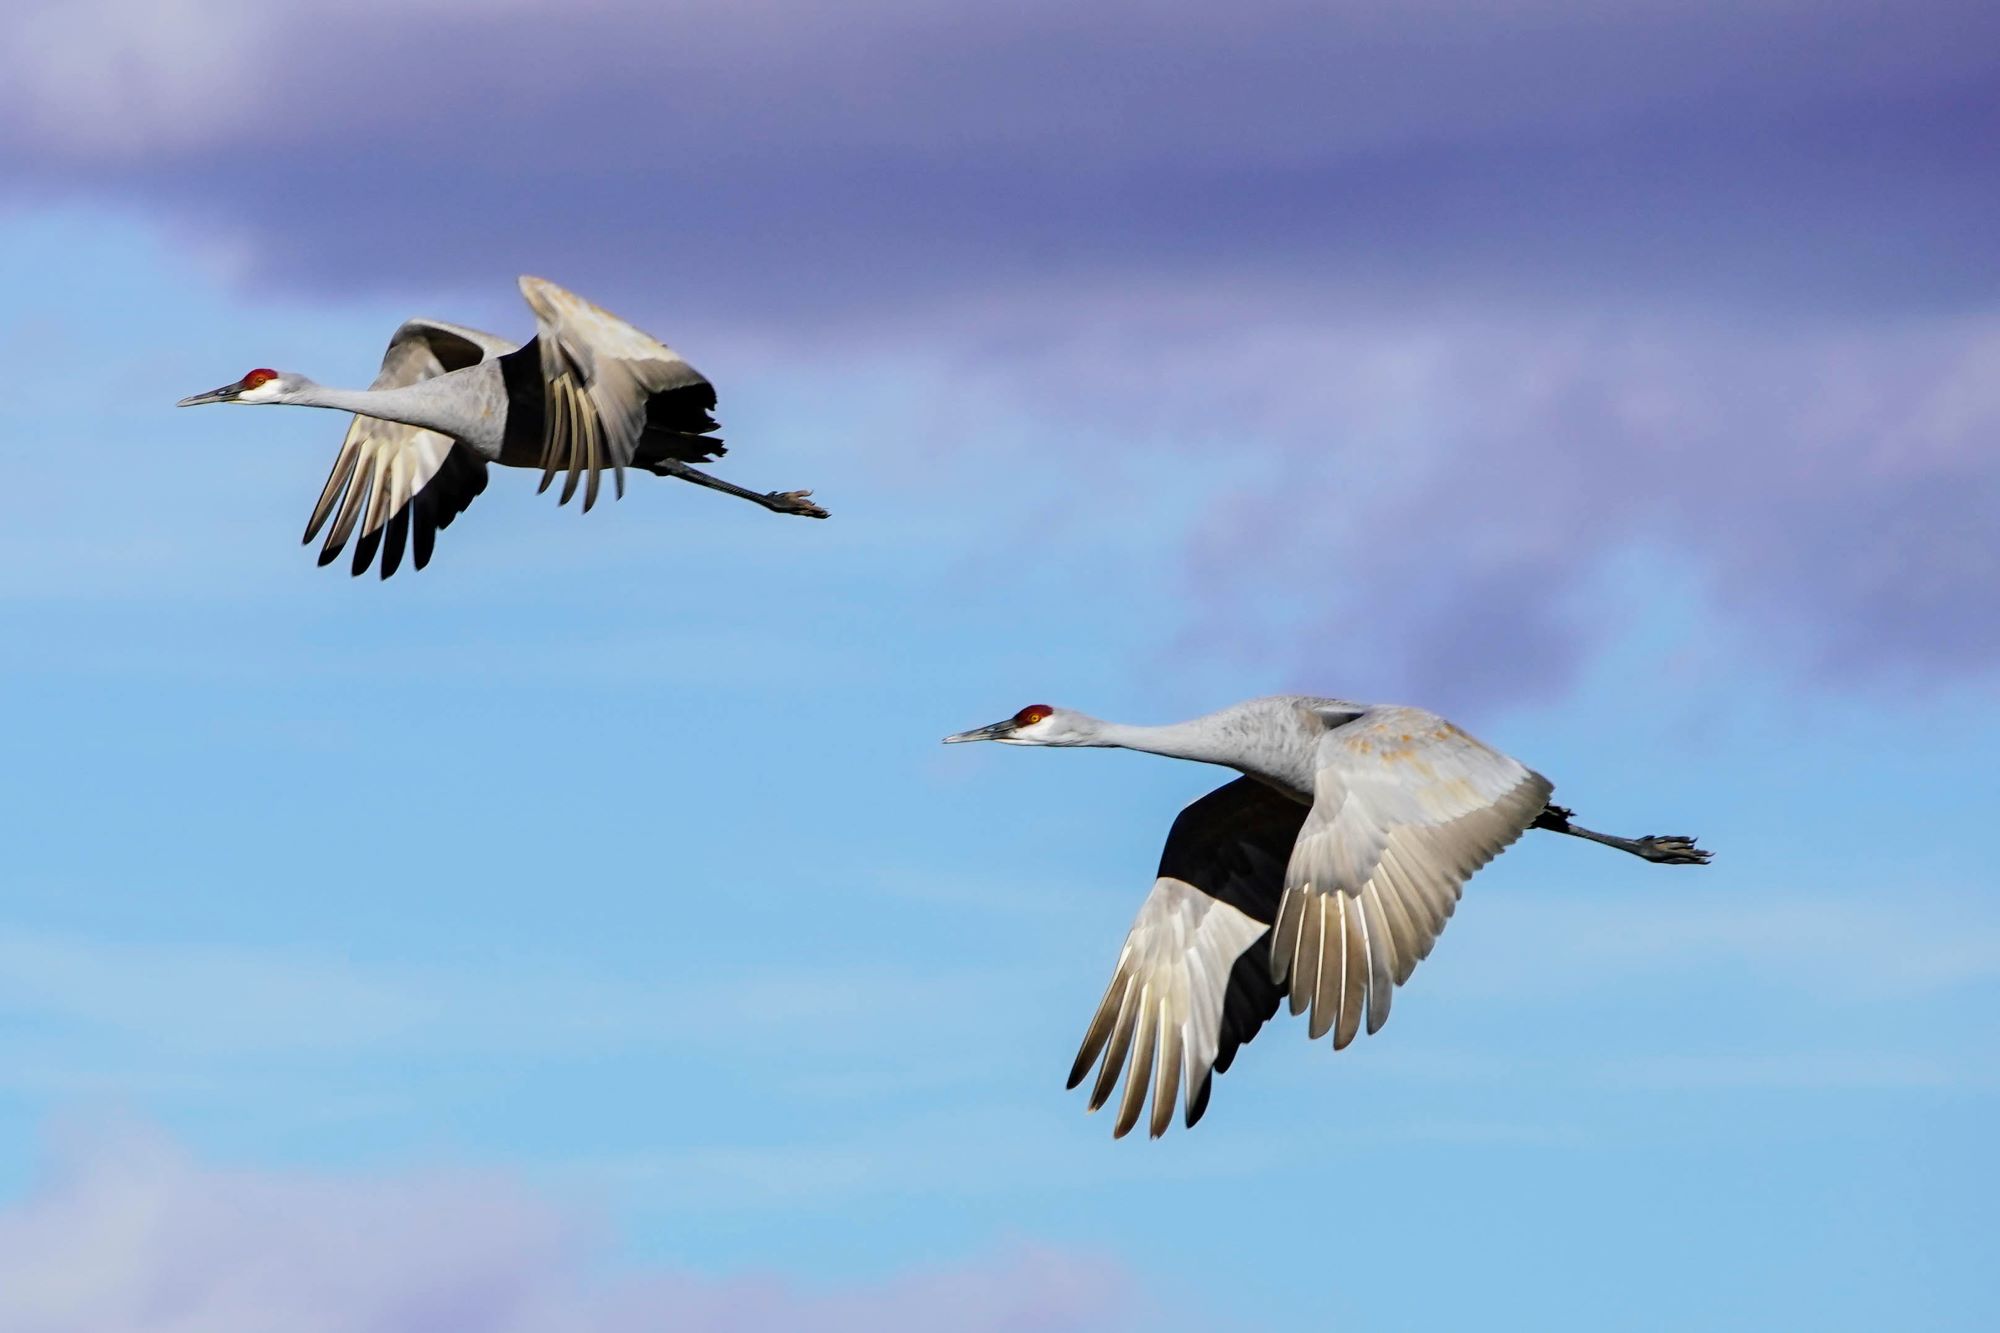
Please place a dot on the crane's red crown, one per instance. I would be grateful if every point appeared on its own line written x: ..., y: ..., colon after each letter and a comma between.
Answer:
x: 259, y: 376
x: 1032, y: 714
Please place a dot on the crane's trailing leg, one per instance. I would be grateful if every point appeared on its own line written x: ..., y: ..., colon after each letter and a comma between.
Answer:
x: 1671, y: 851
x: 778, y: 502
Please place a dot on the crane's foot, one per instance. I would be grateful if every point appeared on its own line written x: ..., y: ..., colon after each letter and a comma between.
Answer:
x: 778, y: 502
x: 1670, y: 851
x: 1656, y: 847
x: 792, y: 502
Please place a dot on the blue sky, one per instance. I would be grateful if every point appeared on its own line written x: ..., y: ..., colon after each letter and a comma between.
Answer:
x: 593, y: 917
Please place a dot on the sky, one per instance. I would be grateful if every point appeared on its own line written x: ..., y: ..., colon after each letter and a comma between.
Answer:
x: 589, y: 932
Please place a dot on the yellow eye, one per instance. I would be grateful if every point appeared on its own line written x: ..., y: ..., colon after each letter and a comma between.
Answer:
x: 1032, y: 714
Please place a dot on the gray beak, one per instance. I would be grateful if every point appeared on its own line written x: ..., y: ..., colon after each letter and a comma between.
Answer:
x: 226, y: 394
x: 995, y: 732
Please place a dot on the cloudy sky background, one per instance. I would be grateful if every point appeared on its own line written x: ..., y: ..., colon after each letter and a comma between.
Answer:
x: 588, y: 931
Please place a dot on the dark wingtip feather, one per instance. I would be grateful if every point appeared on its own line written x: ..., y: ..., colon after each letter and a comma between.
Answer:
x: 364, y: 551
x: 1198, y: 1105
x: 398, y: 535
x: 423, y: 533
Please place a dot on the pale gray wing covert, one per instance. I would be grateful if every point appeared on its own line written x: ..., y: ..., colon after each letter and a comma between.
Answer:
x: 1406, y: 807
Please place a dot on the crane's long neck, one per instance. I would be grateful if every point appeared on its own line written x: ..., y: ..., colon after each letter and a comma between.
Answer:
x: 1220, y: 739
x: 1176, y: 740
x: 468, y: 405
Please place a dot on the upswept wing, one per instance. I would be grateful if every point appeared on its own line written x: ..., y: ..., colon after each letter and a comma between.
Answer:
x: 603, y: 381
x: 403, y: 484
x: 1189, y: 987
x: 1406, y: 807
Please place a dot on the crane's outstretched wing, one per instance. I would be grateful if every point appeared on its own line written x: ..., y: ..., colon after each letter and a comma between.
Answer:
x: 609, y: 391
x: 403, y: 484
x: 1189, y: 987
x: 1406, y: 806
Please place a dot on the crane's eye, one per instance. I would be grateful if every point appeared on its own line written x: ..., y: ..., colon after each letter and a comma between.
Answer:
x: 1032, y: 714
x: 259, y: 376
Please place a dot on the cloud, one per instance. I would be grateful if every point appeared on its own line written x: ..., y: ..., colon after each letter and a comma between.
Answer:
x: 1438, y: 500
x: 128, y: 1234
x: 114, y: 76
x: 844, y: 162
x: 1451, y: 307
x: 1188, y: 82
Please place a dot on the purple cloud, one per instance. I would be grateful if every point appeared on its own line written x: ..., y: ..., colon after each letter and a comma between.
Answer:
x: 129, y: 1235
x: 841, y: 162
x: 1511, y: 292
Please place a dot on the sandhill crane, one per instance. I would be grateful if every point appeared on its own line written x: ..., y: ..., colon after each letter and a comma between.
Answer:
x: 588, y: 393
x: 1346, y: 842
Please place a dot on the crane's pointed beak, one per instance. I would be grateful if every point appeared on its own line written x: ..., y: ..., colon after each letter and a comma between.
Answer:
x: 998, y: 731
x: 226, y: 394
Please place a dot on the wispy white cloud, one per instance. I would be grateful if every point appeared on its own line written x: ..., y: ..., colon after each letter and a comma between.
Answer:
x: 117, y: 76
x: 1431, y: 496
x: 128, y: 1234
x: 758, y: 66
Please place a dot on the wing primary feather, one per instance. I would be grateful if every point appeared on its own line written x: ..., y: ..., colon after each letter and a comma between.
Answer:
x: 1326, y: 993
x: 1166, y: 1072
x: 1285, y: 933
x: 581, y: 443
x: 1114, y: 1054
x: 369, y: 540
x: 1402, y: 930
x: 1422, y: 896
x: 1381, y: 959
x: 1354, y: 970
x: 365, y: 547
x: 572, y: 432
x: 1139, y: 1078
x: 1100, y: 1027
x: 378, y: 499
x: 1417, y: 907
x: 379, y: 506
x: 423, y: 531
x: 350, y: 508
x: 336, y: 481
x: 595, y: 463
x: 396, y: 534
x: 556, y: 406
x: 1305, y: 953
x: 1197, y: 1104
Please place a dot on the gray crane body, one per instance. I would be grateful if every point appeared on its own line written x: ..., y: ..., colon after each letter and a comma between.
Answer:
x: 587, y: 397
x: 1322, y: 877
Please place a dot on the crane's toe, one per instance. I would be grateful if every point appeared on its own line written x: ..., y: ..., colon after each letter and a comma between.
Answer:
x: 795, y: 502
x: 1672, y: 851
